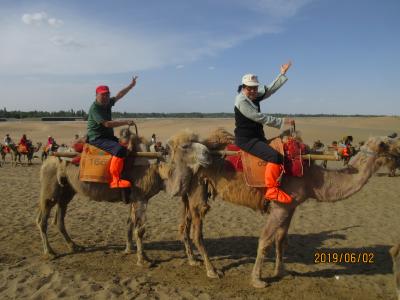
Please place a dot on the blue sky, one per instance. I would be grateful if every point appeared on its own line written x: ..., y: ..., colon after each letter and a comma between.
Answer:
x: 191, y: 55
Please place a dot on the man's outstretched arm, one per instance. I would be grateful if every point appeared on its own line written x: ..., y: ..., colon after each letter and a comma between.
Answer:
x: 124, y: 91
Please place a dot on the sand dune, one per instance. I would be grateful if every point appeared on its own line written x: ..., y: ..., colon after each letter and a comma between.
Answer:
x: 368, y: 222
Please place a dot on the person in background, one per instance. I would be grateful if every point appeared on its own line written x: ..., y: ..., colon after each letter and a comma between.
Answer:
x: 153, y: 138
x: 7, y: 140
x: 23, y: 144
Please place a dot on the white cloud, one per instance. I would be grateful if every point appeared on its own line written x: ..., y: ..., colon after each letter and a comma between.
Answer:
x: 39, y: 19
x: 34, y: 19
x: 46, y: 47
x: 275, y: 8
x: 55, y: 22
x: 66, y: 42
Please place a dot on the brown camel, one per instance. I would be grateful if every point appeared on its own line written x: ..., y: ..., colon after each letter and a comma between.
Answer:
x: 60, y: 182
x: 395, y: 253
x: 318, y: 183
x: 4, y: 152
x: 392, y: 160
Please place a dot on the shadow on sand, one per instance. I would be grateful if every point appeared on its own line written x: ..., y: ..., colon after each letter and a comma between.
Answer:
x: 300, y: 249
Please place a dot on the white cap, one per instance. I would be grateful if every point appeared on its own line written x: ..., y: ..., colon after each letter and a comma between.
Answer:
x: 250, y: 80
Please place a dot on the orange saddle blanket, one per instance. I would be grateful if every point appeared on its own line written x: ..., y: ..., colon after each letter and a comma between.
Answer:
x: 22, y: 149
x: 254, y: 168
x: 94, y: 164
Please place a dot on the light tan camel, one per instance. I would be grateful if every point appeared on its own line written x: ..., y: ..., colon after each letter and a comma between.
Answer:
x: 395, y: 253
x: 60, y: 182
x: 318, y: 183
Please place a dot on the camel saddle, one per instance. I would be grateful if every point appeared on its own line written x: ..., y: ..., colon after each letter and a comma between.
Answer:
x: 22, y: 149
x: 254, y: 168
x: 94, y: 164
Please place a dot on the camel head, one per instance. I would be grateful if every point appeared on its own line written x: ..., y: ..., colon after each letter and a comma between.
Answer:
x: 132, y: 141
x: 392, y: 158
x: 374, y: 147
x: 185, y: 156
x: 38, y: 147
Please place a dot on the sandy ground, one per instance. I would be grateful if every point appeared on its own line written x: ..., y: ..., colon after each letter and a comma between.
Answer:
x: 368, y: 222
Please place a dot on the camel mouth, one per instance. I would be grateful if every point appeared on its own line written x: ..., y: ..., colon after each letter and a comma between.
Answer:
x: 205, y: 163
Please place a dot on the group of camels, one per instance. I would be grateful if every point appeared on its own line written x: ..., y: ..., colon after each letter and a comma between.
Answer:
x: 191, y: 172
x: 16, y: 154
x: 391, y: 162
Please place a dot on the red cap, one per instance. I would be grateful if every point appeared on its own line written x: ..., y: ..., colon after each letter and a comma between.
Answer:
x: 102, y: 89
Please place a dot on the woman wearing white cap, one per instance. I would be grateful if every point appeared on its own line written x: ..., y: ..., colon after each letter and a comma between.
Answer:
x: 249, y: 133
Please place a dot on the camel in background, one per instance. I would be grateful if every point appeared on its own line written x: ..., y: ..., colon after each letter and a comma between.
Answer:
x: 318, y: 183
x: 60, y: 182
x: 392, y: 160
x: 48, y: 150
x: 31, y: 150
x: 4, y: 150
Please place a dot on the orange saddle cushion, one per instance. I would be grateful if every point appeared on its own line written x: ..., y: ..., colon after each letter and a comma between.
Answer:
x: 94, y: 164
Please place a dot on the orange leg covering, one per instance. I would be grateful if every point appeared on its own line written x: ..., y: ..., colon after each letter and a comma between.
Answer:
x: 272, y: 175
x: 116, y: 166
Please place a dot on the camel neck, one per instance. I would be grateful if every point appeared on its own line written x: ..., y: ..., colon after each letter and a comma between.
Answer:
x: 335, y: 185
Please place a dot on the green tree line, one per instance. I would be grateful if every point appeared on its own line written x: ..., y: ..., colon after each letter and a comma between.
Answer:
x: 18, y: 114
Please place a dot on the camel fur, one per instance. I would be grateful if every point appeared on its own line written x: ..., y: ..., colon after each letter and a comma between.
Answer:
x: 317, y: 183
x: 60, y: 182
x: 392, y: 160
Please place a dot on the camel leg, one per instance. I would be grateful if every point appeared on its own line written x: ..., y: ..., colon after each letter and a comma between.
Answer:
x: 278, y: 216
x: 41, y: 220
x: 128, y: 248
x: 184, y: 230
x: 280, y: 238
x: 198, y: 209
x: 138, y: 215
x: 61, y: 211
x: 212, y: 272
x: 51, y: 193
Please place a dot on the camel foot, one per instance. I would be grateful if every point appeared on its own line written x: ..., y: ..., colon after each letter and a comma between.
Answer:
x: 76, y: 248
x: 258, y: 283
x: 49, y: 256
x: 128, y: 250
x: 145, y: 263
x: 214, y: 274
x: 279, y: 273
x: 194, y: 262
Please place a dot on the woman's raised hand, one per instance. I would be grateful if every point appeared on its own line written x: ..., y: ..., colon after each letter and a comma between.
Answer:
x: 285, y: 67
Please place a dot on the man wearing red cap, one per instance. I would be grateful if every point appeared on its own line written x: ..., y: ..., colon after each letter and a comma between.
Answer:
x: 101, y: 133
